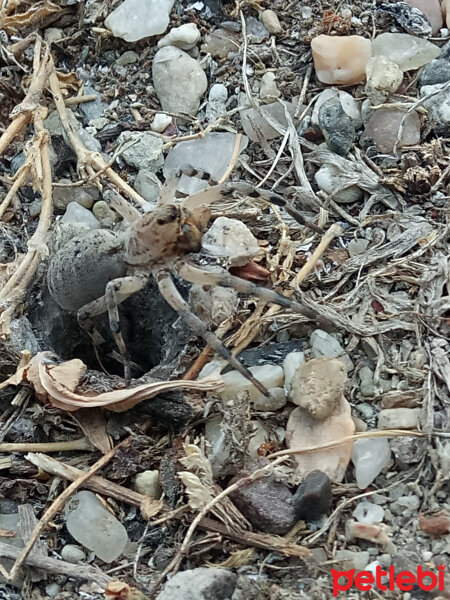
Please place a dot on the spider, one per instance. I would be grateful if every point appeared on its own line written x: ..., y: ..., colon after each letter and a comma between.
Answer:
x: 156, y: 244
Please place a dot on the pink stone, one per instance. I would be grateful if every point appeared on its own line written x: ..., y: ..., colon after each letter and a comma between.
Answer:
x: 445, y: 5
x: 384, y: 124
x: 341, y: 59
x: 432, y: 10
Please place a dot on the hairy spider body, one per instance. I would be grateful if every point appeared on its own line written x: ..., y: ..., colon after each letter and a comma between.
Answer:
x: 156, y: 244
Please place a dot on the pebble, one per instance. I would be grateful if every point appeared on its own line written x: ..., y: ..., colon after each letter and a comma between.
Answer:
x: 75, y: 213
x: 53, y: 125
x: 383, y: 128
x: 438, y: 69
x: 303, y: 431
x: 73, y: 554
x: 127, y: 58
x: 220, y: 43
x: 370, y: 456
x: 268, y: 92
x: 52, y: 589
x: 211, y: 153
x: 367, y: 385
x: 134, y: 20
x: 34, y: 208
x: 405, y: 505
x: 160, y: 122
x: 349, y: 105
x: 313, y: 497
x: 438, y: 107
x: 317, y: 386
x: 432, y: 10
x: 348, y: 559
x: 213, y: 304
x: 221, y: 446
x: 384, y: 77
x: 367, y: 512
x: 398, y: 418
x: 329, y: 179
x: 337, y: 127
x: 231, y: 240
x: 254, y: 124
x: 185, y: 37
x: 141, y: 149
x: 217, y: 101
x: 266, y: 502
x: 271, y: 376
x: 147, y: 483
x: 357, y: 247
x: 408, y: 51
x: 256, y: 32
x: 199, y: 584
x: 104, y: 214
x: 271, y: 22
x: 408, y: 450
x: 179, y: 80
x: 147, y: 185
x: 324, y: 344
x: 94, y: 109
x: 95, y: 527
x: 445, y: 4
x: 410, y: 19
x: 53, y: 34
x: 276, y: 402
x: 340, y: 60
x: 62, y: 196
x: 291, y: 363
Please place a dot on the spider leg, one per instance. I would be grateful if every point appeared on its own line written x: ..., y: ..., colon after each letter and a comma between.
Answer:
x: 221, y: 277
x: 173, y: 297
x: 117, y: 290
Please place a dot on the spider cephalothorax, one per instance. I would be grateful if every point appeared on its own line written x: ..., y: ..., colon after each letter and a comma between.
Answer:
x: 157, y: 244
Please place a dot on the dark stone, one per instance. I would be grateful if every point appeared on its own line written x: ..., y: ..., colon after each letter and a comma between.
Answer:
x: 266, y: 502
x: 411, y: 19
x: 200, y: 584
x: 272, y: 354
x: 337, y: 127
x: 313, y: 496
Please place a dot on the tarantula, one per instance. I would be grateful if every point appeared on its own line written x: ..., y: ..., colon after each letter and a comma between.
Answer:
x: 157, y: 244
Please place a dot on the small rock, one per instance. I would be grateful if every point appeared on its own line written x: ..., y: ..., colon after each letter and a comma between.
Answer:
x: 220, y: 43
x: 337, y: 127
x: 409, y: 18
x: 329, y: 179
x: 99, y: 123
x: 369, y: 513
x: 291, y: 363
x: 141, y: 149
x: 213, y: 304
x: 271, y: 22
x: 383, y: 127
x: 370, y: 456
x: 160, y: 122
x: 94, y: 109
x: 34, y: 208
x: 127, y: 58
x: 62, y: 196
x: 266, y: 502
x: 398, y: 418
x: 438, y: 107
x: 340, y: 59
x: 346, y: 100
x: 93, y: 526
x: 147, y: 185
x: 179, y: 80
x: 271, y: 376
x: 53, y: 125
x: 408, y: 51
x: 268, y: 92
x: 384, y: 77
x: 278, y: 400
x: 313, y: 497
x: 437, y: 70
x: 357, y: 247
x: 147, y: 483
x: 199, y: 584
x: 73, y: 554
x: 134, y: 20
x: 352, y: 560
x: 217, y: 101
x: 53, y: 34
x: 256, y: 32
x: 377, y: 533
x: 254, y: 124
x: 408, y: 450
x: 324, y: 344
x: 303, y: 431
x: 184, y: 37
x: 103, y: 213
x: 52, y: 589
x: 405, y: 505
x: 75, y: 213
x: 432, y: 11
x: 232, y: 240
x: 318, y: 385
x: 211, y: 154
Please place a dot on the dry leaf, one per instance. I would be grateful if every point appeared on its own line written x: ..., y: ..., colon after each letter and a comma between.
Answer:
x: 50, y: 383
x: 150, y: 507
x: 8, y: 534
x: 235, y: 560
x: 20, y: 374
x: 30, y: 18
x: 93, y: 425
x: 116, y: 590
x: 199, y: 494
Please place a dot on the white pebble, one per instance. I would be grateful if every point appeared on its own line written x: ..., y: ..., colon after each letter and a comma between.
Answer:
x: 147, y: 483
x: 291, y: 363
x: 232, y: 240
x: 184, y: 37
x: 160, y: 122
x: 271, y: 376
